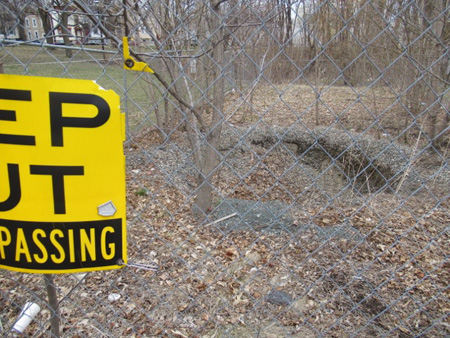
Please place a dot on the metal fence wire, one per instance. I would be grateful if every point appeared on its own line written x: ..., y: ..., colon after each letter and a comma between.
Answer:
x: 287, y: 166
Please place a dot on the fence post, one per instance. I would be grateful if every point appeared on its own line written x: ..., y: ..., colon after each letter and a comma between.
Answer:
x: 53, y: 304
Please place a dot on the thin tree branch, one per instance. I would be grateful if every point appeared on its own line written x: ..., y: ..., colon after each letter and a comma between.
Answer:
x: 107, y: 33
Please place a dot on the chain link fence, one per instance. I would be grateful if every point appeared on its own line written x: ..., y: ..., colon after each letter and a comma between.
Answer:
x: 287, y: 166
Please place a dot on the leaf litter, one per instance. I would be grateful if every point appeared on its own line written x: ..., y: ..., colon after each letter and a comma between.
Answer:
x: 345, y: 261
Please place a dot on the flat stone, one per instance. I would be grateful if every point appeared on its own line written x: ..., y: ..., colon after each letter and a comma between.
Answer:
x: 300, y: 305
x: 273, y: 215
x: 279, y: 298
x: 253, y: 258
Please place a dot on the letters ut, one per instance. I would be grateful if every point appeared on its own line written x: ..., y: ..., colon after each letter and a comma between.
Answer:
x: 57, y: 124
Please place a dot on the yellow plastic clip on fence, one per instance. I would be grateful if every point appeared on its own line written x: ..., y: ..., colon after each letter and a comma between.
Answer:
x: 130, y: 63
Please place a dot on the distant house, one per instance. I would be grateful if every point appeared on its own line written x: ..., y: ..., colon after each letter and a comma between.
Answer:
x: 79, y: 30
x: 34, y: 29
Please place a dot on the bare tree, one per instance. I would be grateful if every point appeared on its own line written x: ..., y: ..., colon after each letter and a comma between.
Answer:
x: 64, y: 12
x: 19, y: 9
x: 46, y: 18
x: 338, y: 34
x: 7, y: 21
x: 172, y: 39
x: 436, y: 65
x: 207, y: 161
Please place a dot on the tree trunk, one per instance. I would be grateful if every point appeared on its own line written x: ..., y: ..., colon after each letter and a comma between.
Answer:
x: 442, y: 129
x: 46, y: 25
x: 66, y: 32
x: 210, y: 153
x: 22, y: 30
x: 289, y: 26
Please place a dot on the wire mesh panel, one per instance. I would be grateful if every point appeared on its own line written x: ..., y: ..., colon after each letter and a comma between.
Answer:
x: 287, y: 166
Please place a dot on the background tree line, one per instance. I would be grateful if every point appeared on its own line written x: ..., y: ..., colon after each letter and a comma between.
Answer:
x: 203, y: 50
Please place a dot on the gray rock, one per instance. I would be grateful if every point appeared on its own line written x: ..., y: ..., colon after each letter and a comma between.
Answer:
x: 256, y: 215
x: 343, y: 231
x: 279, y: 298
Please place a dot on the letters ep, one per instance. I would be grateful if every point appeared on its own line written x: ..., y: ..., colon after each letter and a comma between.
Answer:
x: 57, y: 124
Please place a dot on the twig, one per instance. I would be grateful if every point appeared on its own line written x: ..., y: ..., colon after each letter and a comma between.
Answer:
x: 408, y: 169
x: 222, y: 219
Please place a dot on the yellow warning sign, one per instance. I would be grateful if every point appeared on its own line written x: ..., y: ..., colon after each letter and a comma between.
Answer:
x: 62, y: 176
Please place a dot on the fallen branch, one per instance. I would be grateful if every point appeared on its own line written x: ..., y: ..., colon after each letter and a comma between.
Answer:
x: 222, y: 219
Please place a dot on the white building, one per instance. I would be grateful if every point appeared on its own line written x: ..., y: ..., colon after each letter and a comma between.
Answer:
x: 34, y: 30
x: 79, y: 32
